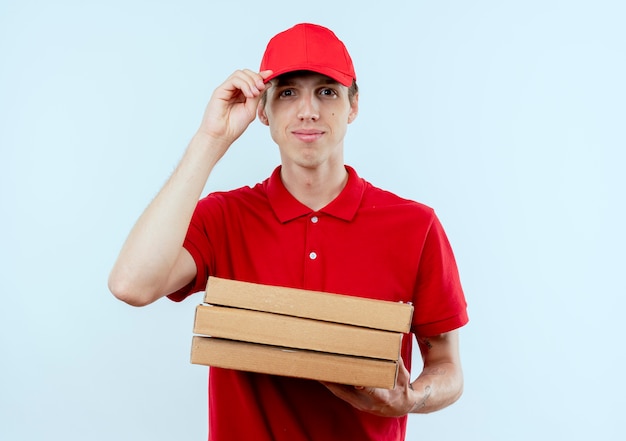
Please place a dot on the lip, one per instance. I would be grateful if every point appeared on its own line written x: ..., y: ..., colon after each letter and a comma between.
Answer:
x: 308, y: 135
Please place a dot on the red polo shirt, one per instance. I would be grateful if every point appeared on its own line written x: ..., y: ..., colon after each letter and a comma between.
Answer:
x: 368, y: 243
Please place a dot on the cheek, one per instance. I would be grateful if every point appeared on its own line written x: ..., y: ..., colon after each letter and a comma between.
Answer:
x: 276, y: 137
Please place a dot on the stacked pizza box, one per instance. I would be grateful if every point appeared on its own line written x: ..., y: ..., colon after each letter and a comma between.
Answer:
x: 300, y: 333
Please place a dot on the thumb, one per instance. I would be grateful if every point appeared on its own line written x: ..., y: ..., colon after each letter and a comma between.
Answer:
x: 404, y: 376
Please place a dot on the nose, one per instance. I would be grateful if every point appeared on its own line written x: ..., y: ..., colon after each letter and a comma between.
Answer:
x: 308, y: 109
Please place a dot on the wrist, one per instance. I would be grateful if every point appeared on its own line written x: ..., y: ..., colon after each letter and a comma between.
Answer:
x: 419, y: 398
x: 208, y: 148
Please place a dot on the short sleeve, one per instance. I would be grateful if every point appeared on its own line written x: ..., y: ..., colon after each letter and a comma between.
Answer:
x: 439, y: 301
x: 198, y: 244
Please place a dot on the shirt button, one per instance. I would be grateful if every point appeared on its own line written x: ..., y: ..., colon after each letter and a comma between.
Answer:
x: 314, y: 219
x: 312, y: 255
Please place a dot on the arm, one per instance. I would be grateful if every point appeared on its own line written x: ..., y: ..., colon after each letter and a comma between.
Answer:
x: 153, y: 262
x: 439, y: 384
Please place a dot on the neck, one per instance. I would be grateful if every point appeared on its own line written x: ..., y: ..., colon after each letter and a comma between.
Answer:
x: 315, y: 187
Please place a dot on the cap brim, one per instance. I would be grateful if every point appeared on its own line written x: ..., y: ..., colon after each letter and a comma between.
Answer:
x: 340, y: 77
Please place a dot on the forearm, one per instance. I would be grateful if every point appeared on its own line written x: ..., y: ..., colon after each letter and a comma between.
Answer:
x: 437, y: 387
x: 143, y: 267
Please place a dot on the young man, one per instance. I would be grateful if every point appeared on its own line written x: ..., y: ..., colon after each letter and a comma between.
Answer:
x: 313, y: 224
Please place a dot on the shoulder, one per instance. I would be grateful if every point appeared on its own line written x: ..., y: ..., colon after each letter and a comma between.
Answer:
x: 225, y: 206
x: 254, y: 194
x: 374, y: 196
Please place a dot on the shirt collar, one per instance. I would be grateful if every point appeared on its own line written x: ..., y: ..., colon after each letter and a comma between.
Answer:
x: 288, y: 208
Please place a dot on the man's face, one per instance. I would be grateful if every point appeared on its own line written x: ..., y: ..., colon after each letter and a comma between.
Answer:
x: 308, y: 115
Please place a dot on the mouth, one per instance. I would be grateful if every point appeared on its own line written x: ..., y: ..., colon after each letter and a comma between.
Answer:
x: 308, y: 135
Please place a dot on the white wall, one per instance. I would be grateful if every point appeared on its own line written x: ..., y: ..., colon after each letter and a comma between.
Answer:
x: 506, y: 116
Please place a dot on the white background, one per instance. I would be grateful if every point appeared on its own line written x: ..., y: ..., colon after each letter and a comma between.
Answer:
x: 507, y: 117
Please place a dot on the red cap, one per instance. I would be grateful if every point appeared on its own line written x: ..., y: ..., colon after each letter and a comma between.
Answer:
x: 310, y: 47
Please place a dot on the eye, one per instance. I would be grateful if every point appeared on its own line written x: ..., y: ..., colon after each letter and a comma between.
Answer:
x: 286, y: 93
x: 327, y: 91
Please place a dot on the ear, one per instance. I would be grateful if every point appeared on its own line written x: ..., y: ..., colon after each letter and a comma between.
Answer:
x: 354, y: 108
x: 261, y: 114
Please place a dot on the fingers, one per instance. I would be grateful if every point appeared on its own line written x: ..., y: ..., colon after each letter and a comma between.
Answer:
x: 233, y: 105
x: 367, y: 399
x: 247, y: 82
x: 352, y: 394
x: 265, y: 74
x: 404, y: 376
x: 383, y: 402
